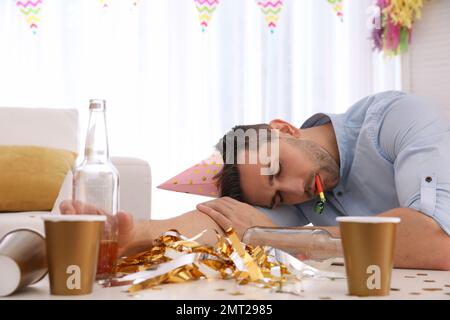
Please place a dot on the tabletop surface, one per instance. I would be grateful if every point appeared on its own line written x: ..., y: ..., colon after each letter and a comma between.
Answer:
x: 406, y: 284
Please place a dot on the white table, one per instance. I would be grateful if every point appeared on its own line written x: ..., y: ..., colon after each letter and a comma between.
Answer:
x: 406, y: 284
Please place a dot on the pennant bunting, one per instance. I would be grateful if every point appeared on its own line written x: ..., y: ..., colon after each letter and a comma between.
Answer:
x: 104, y: 3
x: 31, y: 10
x: 271, y: 10
x: 338, y: 8
x: 205, y: 10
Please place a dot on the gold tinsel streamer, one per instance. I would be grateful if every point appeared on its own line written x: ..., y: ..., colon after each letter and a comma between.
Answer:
x: 229, y: 259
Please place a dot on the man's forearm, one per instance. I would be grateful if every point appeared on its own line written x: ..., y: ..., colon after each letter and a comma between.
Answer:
x: 188, y: 224
x: 420, y: 241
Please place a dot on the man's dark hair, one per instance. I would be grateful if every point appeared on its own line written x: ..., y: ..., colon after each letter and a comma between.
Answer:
x: 229, y: 146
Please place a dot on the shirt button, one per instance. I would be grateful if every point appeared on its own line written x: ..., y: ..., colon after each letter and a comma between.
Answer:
x: 339, y: 193
x: 428, y: 179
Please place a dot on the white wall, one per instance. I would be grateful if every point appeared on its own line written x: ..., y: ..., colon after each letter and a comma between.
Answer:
x: 426, y: 68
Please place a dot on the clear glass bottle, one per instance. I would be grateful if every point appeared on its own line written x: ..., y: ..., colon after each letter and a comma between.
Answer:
x: 96, y: 184
x: 306, y: 243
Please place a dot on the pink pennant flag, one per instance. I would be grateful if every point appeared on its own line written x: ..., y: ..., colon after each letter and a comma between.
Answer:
x: 271, y: 10
x: 198, y: 179
x: 205, y: 10
x: 338, y: 8
x: 30, y: 9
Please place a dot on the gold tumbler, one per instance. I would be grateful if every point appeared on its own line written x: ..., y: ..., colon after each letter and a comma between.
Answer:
x: 72, y: 250
x: 368, y: 244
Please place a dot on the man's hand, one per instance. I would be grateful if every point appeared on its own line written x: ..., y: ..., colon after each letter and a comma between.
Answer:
x: 227, y: 212
x: 124, y: 220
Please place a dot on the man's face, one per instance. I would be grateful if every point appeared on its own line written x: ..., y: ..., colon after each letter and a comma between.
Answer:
x: 299, y: 161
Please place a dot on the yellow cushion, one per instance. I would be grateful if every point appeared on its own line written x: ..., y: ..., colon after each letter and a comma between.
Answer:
x: 31, y: 176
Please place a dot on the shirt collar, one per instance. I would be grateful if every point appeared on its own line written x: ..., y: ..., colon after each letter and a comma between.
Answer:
x: 337, y: 121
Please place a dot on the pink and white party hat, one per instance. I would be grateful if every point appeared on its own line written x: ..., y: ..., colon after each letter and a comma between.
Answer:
x: 198, y: 179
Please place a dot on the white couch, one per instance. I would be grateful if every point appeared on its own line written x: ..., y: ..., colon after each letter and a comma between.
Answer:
x: 59, y: 128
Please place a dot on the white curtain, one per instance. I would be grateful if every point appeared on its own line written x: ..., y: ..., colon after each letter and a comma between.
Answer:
x: 173, y: 90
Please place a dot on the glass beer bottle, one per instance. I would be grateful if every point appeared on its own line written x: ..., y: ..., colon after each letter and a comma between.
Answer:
x: 96, y: 184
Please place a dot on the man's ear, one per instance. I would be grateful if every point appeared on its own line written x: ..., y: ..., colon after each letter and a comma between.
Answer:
x: 285, y: 127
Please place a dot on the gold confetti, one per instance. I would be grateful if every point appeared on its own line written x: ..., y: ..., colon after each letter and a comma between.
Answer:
x: 422, y: 274
x: 395, y: 289
x: 220, y: 289
x: 175, y: 182
x: 447, y: 285
x: 410, y: 277
x: 253, y: 269
x: 415, y: 293
x: 185, y: 255
x: 429, y: 281
x: 325, y: 298
x: 236, y: 293
x: 432, y: 289
x: 204, y: 178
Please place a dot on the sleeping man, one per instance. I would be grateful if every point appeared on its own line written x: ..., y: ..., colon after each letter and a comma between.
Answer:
x: 388, y: 155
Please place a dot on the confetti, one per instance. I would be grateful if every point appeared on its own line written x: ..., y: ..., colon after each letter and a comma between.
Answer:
x: 180, y: 259
x: 432, y: 289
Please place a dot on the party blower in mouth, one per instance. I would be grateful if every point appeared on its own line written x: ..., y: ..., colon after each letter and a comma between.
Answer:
x: 320, y: 205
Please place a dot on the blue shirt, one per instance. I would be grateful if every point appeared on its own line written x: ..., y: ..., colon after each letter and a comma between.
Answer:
x: 394, y: 152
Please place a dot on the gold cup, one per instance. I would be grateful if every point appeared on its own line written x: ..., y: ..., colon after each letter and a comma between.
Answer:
x: 368, y: 244
x: 22, y: 260
x: 72, y: 249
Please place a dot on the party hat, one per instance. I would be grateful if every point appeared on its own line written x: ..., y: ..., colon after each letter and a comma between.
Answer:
x: 198, y: 179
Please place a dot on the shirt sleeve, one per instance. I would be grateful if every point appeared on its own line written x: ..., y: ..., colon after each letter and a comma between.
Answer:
x: 285, y: 216
x: 415, y: 137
